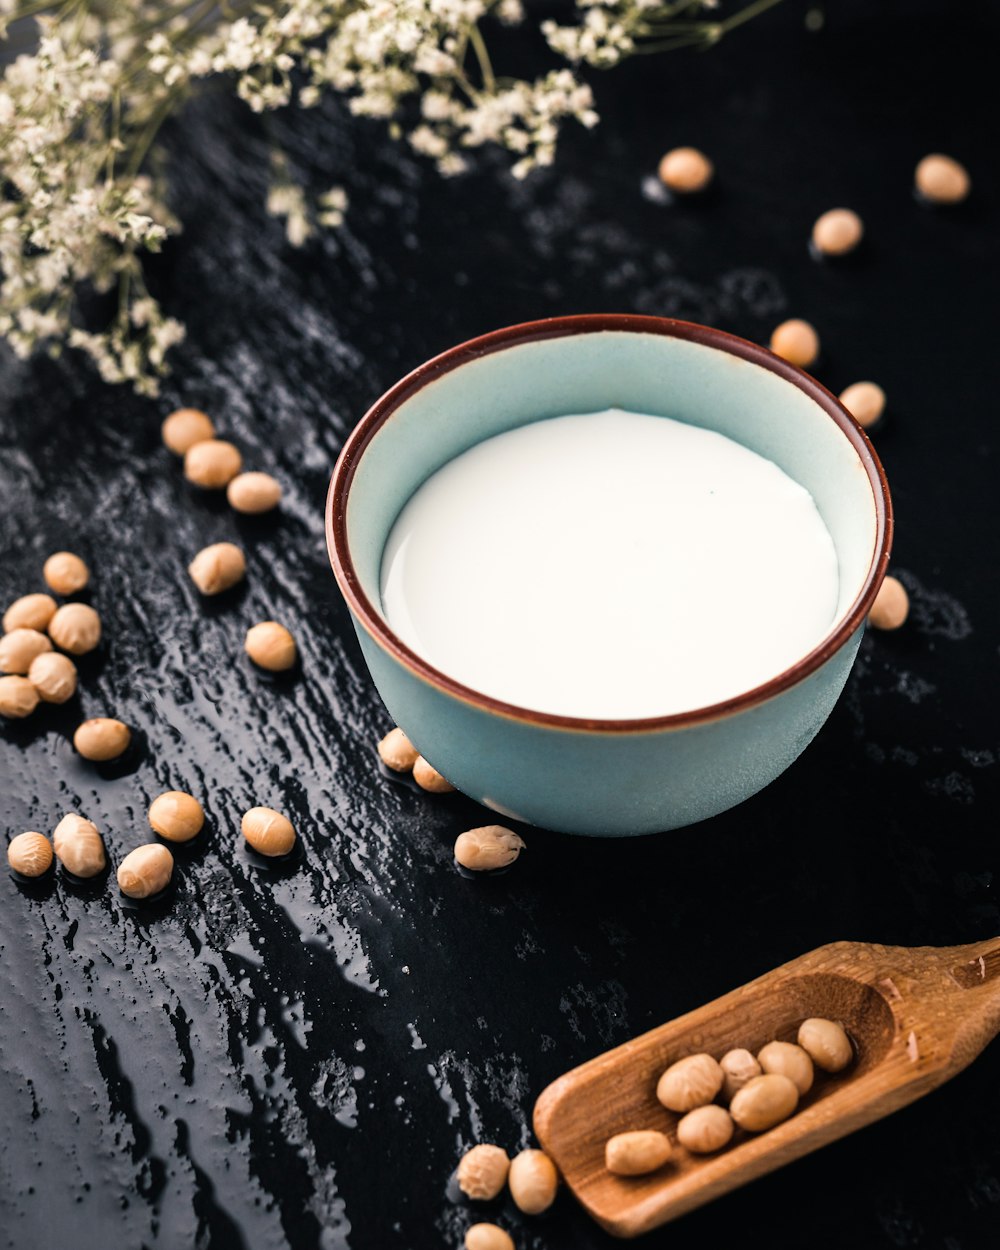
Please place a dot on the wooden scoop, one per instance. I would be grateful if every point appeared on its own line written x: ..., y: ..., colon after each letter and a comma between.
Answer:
x: 916, y: 1018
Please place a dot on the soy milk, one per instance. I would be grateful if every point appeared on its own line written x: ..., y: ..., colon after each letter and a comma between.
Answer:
x: 610, y: 565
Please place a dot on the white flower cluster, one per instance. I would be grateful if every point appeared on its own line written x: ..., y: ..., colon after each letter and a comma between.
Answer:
x: 286, y: 199
x: 80, y: 113
x: 610, y: 29
x: 382, y: 54
x: 68, y: 218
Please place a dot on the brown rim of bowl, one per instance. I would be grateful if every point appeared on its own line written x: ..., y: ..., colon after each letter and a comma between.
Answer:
x: 558, y: 327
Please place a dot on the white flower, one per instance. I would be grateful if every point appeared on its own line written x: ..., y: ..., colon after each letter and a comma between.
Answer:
x: 510, y: 12
x: 78, y: 106
x: 428, y: 142
x: 335, y: 198
x: 434, y: 62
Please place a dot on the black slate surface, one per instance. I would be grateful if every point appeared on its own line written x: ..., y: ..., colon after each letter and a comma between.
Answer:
x: 295, y: 1057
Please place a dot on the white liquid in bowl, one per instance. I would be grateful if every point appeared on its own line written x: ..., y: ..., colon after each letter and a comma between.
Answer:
x: 610, y: 565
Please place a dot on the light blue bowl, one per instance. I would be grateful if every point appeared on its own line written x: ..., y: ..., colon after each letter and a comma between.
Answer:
x: 628, y: 776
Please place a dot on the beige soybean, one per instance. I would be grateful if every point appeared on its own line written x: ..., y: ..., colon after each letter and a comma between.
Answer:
x: 686, y: 170
x: 797, y: 342
x: 102, y: 738
x: 764, y: 1102
x: 65, y: 573
x: 738, y: 1066
x: 271, y: 646
x: 865, y: 401
x: 30, y: 854
x: 487, y: 848
x: 533, y: 1181
x: 218, y: 568
x: 19, y: 648
x: 397, y: 752
x: 428, y: 778
x: 54, y: 676
x: 891, y: 606
x: 145, y: 871
x: 482, y: 1172
x: 185, y: 427
x: 76, y: 628
x: 942, y: 180
x: 690, y: 1082
x: 176, y: 816
x: 78, y: 846
x: 837, y: 232
x: 787, y: 1059
x: 705, y: 1129
x: 212, y: 463
x: 253, y: 493
x: 637, y: 1152
x: 267, y: 831
x: 826, y: 1043
x: 29, y: 612
x: 18, y: 697
x: 488, y: 1237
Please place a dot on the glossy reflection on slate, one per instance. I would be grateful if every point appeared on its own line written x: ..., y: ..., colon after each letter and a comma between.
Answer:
x: 294, y: 1054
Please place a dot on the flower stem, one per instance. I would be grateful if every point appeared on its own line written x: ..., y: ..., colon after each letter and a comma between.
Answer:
x: 667, y: 35
x: 483, y: 57
x: 745, y: 14
x: 145, y: 141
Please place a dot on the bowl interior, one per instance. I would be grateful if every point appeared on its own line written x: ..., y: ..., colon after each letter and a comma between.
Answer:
x: 656, y: 373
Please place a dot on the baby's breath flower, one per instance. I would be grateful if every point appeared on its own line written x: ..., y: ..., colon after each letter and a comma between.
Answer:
x: 80, y: 109
x: 332, y: 207
x: 287, y: 200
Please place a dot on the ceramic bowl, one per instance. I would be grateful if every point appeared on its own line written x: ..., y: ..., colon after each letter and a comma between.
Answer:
x: 609, y: 777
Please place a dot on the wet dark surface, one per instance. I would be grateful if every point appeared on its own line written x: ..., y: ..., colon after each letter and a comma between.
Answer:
x: 295, y: 1055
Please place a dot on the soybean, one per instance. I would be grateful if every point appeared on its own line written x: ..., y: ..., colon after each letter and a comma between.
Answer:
x: 942, y: 180
x: 487, y: 1237
x: 78, y: 846
x: 533, y: 1181
x: 267, y: 831
x: 797, y: 342
x: 30, y: 854
x: 19, y: 648
x: 397, y: 752
x: 738, y: 1067
x: 428, y: 778
x: 865, y: 401
x: 826, y: 1043
x: 686, y: 170
x: 176, y: 816
x: 212, y: 463
x: 637, y: 1153
x: 218, y: 568
x: 787, y: 1059
x: 705, y: 1129
x: 185, y: 427
x: 102, y: 738
x: 65, y: 573
x: 54, y: 676
x: 690, y: 1082
x: 271, y: 646
x: 487, y: 848
x: 253, y: 493
x: 18, y: 697
x: 837, y: 232
x: 145, y: 871
x: 764, y: 1102
x: 29, y: 612
x: 482, y: 1172
x: 891, y: 606
x: 76, y: 628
